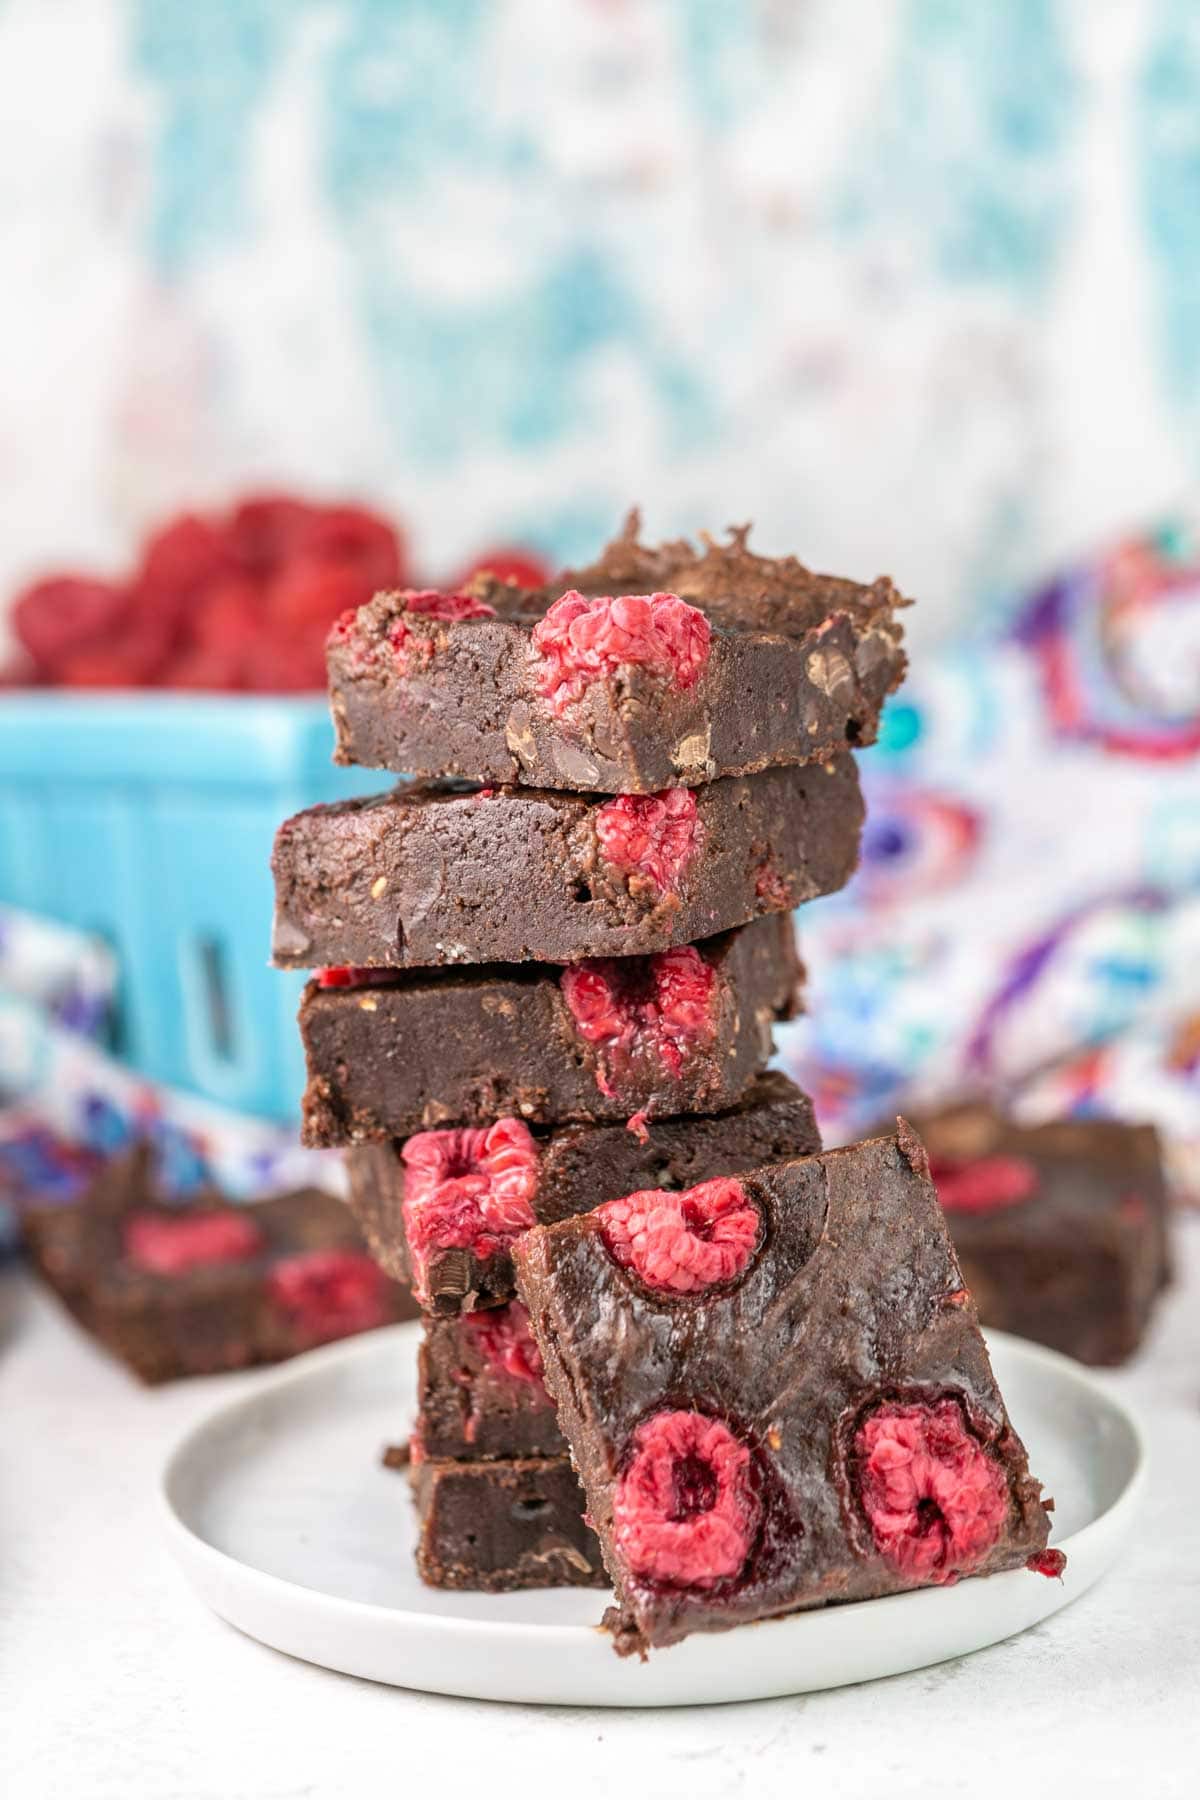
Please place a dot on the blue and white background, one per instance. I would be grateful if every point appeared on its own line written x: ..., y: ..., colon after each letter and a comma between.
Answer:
x: 913, y: 283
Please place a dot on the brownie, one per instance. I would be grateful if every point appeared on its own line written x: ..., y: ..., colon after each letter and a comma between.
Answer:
x: 686, y: 1030
x: 777, y: 1395
x: 437, y: 872
x: 1061, y: 1229
x: 456, y: 1247
x: 480, y: 1392
x: 503, y: 1526
x: 724, y: 663
x: 193, y: 1288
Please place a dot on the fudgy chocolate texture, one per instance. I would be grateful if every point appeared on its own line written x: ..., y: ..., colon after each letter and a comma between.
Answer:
x: 844, y: 1423
x: 578, y: 1166
x: 195, y: 1288
x: 466, y: 1047
x: 503, y: 1526
x: 797, y: 668
x: 437, y: 873
x: 1061, y: 1229
x: 480, y: 1392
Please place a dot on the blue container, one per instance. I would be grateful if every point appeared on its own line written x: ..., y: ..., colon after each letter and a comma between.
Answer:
x: 148, y: 820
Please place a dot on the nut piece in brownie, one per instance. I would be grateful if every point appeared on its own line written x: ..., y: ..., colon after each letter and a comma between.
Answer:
x: 192, y: 1288
x: 444, y: 1209
x: 437, y: 873
x: 776, y: 1393
x: 1061, y: 1229
x: 602, y: 1039
x: 655, y: 668
x: 503, y: 1526
x: 480, y: 1393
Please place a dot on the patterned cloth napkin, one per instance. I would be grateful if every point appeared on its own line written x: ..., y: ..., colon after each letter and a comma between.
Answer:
x: 1026, y: 919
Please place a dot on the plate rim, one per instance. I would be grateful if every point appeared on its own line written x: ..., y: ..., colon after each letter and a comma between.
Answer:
x: 187, y: 1544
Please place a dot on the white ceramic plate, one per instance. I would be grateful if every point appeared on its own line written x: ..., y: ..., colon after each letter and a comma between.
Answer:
x: 286, y: 1524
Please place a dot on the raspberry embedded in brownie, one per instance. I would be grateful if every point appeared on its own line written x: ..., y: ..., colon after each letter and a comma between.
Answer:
x: 807, y: 1416
x: 581, y: 641
x: 468, y: 1195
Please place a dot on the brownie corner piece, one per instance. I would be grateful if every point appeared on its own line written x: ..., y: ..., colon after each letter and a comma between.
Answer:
x: 833, y: 1432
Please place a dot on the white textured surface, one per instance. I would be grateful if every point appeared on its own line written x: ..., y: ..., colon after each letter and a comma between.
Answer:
x: 116, y: 1683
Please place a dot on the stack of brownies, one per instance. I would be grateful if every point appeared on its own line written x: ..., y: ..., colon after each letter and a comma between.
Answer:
x: 547, y: 972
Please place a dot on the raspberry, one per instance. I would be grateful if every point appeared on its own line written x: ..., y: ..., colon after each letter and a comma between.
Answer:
x: 505, y: 1342
x: 520, y: 567
x: 935, y: 1500
x: 171, y: 1246
x: 65, y: 614
x: 353, y: 539
x: 685, y: 1512
x: 772, y: 889
x: 412, y: 649
x: 654, y: 836
x: 182, y: 560
x: 663, y: 1005
x: 327, y: 1294
x: 983, y: 1186
x: 358, y: 978
x: 265, y: 529
x: 580, y: 641
x: 314, y: 594
x: 1050, y: 1563
x: 682, y: 1243
x: 467, y: 1190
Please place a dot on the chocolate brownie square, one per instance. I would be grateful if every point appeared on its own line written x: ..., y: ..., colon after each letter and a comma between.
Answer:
x: 654, y: 668
x: 777, y: 1395
x: 504, y: 1526
x: 686, y: 1031
x: 480, y: 1393
x: 192, y: 1288
x: 1061, y: 1229
x: 438, y: 873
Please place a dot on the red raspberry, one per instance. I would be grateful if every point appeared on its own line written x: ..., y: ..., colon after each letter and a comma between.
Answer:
x: 66, y: 614
x: 520, y: 567
x: 358, y: 978
x: 935, y: 1500
x: 413, y: 649
x: 505, y: 1342
x: 686, y: 1242
x: 1050, y: 1563
x: 662, y: 1005
x: 685, y: 1512
x: 182, y: 560
x: 772, y: 889
x: 654, y: 836
x: 353, y: 539
x: 467, y: 1190
x: 983, y: 1186
x: 580, y: 641
x: 327, y: 1294
x: 313, y: 593
x: 265, y: 529
x: 192, y: 1240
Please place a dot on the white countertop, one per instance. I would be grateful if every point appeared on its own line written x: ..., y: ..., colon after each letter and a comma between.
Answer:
x: 117, y: 1684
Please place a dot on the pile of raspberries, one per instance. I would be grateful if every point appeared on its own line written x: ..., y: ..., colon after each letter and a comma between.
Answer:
x: 237, y: 600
